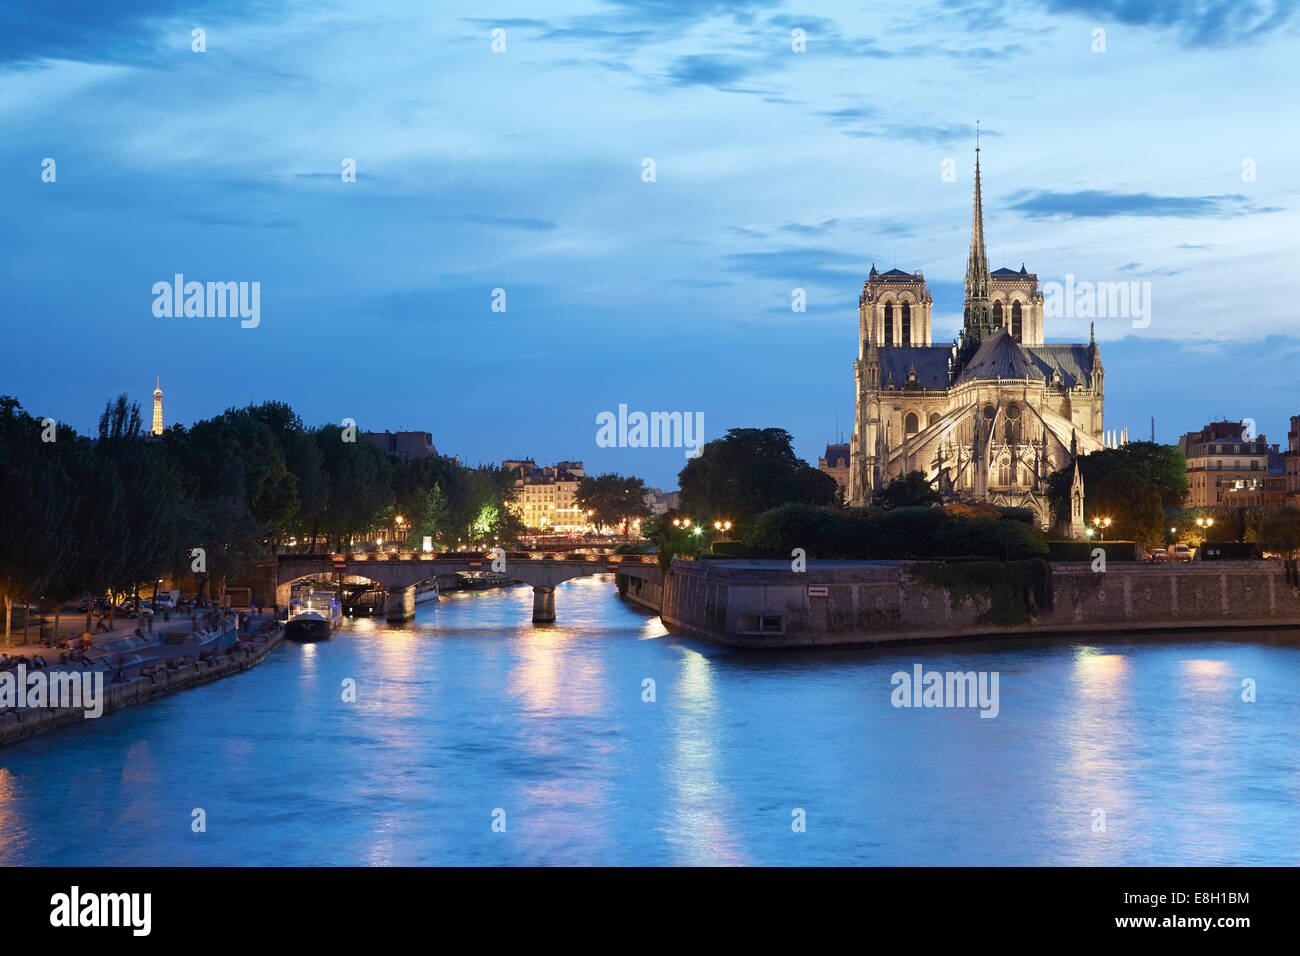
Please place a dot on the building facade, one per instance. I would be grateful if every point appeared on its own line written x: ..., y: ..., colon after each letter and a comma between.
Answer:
x: 1291, y: 462
x: 408, y: 446
x: 1221, y: 461
x: 987, y: 418
x: 546, y: 497
x: 836, y: 464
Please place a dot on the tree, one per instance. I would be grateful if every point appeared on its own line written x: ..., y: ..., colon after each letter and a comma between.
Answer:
x: 1162, y: 467
x: 37, y: 522
x: 360, y: 485
x: 303, y: 461
x: 612, y: 500
x: 1279, y: 531
x: 1131, y: 503
x: 908, y: 490
x: 748, y: 471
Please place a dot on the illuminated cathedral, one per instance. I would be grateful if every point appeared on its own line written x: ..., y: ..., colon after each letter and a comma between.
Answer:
x: 985, y: 419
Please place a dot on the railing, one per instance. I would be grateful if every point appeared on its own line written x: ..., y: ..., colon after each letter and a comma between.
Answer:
x: 459, y: 556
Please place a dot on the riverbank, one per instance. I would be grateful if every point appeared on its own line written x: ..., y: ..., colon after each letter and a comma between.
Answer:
x: 164, y: 678
x: 764, y: 604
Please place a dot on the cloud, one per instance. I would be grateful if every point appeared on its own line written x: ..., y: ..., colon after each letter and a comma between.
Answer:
x: 719, y: 72
x: 823, y: 266
x: 140, y: 31
x: 884, y: 227
x: 333, y: 177
x: 852, y: 121
x: 1198, y: 23
x: 1099, y: 204
x: 509, y: 222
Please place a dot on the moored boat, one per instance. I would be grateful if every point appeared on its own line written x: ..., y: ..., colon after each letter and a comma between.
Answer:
x: 314, y: 618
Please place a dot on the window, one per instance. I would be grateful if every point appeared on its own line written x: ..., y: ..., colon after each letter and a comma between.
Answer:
x: 1015, y: 322
x: 906, y: 337
x: 889, y: 323
x: 997, y: 315
x: 934, y: 417
x: 1011, y: 430
x: 759, y: 624
x: 911, y: 424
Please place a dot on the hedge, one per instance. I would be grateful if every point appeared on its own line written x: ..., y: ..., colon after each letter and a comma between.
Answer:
x: 1082, y: 550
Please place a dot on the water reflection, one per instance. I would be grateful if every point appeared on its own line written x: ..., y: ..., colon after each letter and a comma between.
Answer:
x: 470, y: 708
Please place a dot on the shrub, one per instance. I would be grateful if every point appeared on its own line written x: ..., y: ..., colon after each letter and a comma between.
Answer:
x: 1082, y: 550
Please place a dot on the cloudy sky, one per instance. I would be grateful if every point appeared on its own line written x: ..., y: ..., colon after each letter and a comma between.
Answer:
x: 1169, y: 157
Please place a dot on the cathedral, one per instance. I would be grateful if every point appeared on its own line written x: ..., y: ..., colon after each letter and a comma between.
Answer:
x: 986, y: 419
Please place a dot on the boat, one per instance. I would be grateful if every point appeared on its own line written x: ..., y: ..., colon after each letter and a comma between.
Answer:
x: 480, y: 580
x: 315, y: 617
x: 426, y: 591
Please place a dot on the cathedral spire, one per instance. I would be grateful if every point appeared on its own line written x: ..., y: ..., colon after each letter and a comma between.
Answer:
x: 979, y: 311
x: 977, y: 320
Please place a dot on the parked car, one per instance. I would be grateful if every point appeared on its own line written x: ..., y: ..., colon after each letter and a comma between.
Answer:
x: 1180, y: 552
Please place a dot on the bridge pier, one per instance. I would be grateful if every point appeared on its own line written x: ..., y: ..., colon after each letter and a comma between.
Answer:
x: 543, y: 605
x: 401, y: 604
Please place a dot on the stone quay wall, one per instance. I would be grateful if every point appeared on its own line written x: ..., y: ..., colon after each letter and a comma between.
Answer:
x: 17, y: 725
x: 882, y: 602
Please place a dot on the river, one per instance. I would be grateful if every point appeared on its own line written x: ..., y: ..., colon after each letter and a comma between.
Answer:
x: 1131, y: 751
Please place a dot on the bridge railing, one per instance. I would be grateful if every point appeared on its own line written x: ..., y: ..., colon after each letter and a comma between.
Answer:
x: 408, y: 556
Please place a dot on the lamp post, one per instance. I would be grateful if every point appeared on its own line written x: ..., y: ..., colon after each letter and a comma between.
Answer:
x: 1204, y: 524
x: 1102, y: 524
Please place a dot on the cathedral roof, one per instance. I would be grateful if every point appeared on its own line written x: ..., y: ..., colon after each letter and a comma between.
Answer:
x: 929, y: 361
x: 1000, y: 356
x: 1073, y: 361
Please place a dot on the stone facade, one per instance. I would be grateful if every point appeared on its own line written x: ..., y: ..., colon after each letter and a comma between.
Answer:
x: 987, y: 418
x: 765, y: 604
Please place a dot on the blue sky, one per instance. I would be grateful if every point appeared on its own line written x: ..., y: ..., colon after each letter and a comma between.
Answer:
x: 522, y: 170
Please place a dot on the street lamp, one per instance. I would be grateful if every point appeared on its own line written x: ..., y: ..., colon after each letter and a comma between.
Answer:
x: 1102, y: 524
x: 722, y: 525
x: 1204, y: 524
x: 681, y: 522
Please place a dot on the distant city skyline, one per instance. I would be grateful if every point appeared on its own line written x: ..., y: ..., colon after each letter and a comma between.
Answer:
x: 523, y: 170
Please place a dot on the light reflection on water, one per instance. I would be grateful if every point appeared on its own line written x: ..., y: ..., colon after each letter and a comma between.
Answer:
x: 470, y: 709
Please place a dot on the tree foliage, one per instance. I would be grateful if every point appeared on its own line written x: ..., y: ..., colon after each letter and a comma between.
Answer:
x: 749, y: 471
x: 907, y: 491
x: 612, y: 500
x: 899, y: 533
x: 1162, y: 468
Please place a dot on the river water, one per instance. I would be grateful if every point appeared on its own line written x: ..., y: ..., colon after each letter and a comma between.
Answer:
x: 1132, y: 751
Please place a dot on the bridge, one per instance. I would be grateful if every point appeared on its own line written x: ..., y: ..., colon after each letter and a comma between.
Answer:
x: 399, y: 573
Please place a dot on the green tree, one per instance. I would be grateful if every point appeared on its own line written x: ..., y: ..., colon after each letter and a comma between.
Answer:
x: 1161, y: 466
x: 360, y: 485
x: 908, y: 491
x: 37, y: 514
x: 1279, y: 531
x: 748, y: 471
x: 1131, y: 503
x: 612, y: 500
